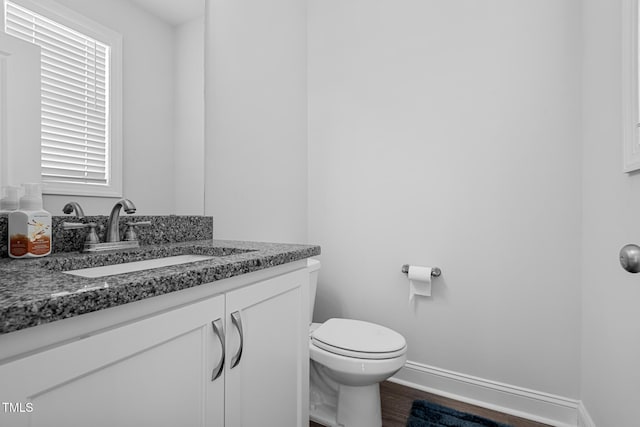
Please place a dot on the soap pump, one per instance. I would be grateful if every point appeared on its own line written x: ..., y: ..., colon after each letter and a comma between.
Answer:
x: 9, y: 201
x: 30, y: 226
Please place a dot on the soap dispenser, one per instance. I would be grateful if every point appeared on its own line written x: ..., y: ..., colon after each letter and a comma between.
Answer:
x: 30, y: 226
x: 9, y: 201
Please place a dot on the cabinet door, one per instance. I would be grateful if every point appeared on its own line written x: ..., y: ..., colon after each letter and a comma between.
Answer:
x: 268, y: 368
x: 153, y: 372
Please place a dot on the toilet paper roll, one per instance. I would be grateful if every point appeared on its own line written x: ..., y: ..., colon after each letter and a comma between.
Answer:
x: 419, y: 281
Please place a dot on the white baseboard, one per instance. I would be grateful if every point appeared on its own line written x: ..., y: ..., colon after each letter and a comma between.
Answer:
x: 584, y: 419
x: 525, y: 403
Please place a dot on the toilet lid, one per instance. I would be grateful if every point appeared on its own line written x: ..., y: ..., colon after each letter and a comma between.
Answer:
x: 355, y: 338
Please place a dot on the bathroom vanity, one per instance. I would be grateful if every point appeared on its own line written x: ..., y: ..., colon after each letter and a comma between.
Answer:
x: 217, y: 342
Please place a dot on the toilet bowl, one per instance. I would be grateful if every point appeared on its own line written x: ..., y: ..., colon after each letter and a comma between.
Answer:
x: 349, y: 358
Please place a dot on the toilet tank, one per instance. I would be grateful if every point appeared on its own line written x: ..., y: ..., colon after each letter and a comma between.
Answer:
x: 313, y: 267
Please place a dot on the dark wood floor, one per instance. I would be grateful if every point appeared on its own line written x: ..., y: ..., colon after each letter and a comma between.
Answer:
x: 397, y: 400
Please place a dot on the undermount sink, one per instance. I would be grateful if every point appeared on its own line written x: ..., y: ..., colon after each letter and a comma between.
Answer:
x: 130, y: 267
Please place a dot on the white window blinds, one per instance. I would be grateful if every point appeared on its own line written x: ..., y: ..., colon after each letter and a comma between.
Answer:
x: 74, y: 92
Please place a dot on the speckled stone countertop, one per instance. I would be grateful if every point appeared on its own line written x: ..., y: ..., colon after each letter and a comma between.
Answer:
x: 163, y: 229
x: 37, y: 291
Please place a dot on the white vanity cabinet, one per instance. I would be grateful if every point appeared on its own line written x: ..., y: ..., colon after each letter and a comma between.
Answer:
x: 168, y: 368
x: 269, y: 385
x: 150, y: 372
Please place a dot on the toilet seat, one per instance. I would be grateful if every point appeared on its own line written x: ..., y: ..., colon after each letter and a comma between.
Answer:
x: 358, y: 339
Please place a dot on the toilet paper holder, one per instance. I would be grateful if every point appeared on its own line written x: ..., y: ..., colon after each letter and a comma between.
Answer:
x: 435, y: 271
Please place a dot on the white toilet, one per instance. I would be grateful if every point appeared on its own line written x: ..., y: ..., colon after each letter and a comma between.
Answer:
x: 349, y: 358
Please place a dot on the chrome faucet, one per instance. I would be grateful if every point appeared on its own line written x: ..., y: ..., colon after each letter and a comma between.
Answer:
x: 112, y: 239
x: 113, y: 228
x: 73, y: 206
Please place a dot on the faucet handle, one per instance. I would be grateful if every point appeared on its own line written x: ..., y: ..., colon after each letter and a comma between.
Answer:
x: 130, y: 233
x: 92, y: 236
x: 73, y: 225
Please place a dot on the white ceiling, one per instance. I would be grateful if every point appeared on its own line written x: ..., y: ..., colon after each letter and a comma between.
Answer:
x: 174, y: 12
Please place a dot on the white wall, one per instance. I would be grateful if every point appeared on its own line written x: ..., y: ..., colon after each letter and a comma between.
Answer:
x: 147, y: 108
x: 610, y: 315
x: 189, y: 117
x: 256, y: 109
x: 19, y: 111
x: 448, y: 133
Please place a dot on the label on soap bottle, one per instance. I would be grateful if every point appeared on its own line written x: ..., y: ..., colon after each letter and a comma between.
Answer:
x: 31, y: 238
x: 18, y: 245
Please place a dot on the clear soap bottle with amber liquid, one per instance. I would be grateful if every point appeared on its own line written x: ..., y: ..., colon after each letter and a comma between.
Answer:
x: 30, y: 226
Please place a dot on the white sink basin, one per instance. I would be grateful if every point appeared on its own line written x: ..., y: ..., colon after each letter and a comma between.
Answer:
x: 130, y: 267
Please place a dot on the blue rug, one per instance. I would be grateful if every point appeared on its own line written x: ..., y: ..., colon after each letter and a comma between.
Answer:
x: 427, y: 414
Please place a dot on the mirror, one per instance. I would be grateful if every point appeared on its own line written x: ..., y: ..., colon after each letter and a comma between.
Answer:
x: 163, y: 105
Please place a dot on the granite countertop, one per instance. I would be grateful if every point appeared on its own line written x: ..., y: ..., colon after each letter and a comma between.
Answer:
x: 37, y: 291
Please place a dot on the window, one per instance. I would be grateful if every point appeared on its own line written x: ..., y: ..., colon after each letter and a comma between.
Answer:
x: 80, y: 97
x: 630, y: 86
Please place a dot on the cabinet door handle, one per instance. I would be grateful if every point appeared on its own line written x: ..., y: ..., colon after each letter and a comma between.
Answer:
x: 237, y: 321
x: 218, y: 329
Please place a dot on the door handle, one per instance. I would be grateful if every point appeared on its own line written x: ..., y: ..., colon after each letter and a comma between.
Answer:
x: 630, y: 258
x: 237, y: 321
x: 218, y: 329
